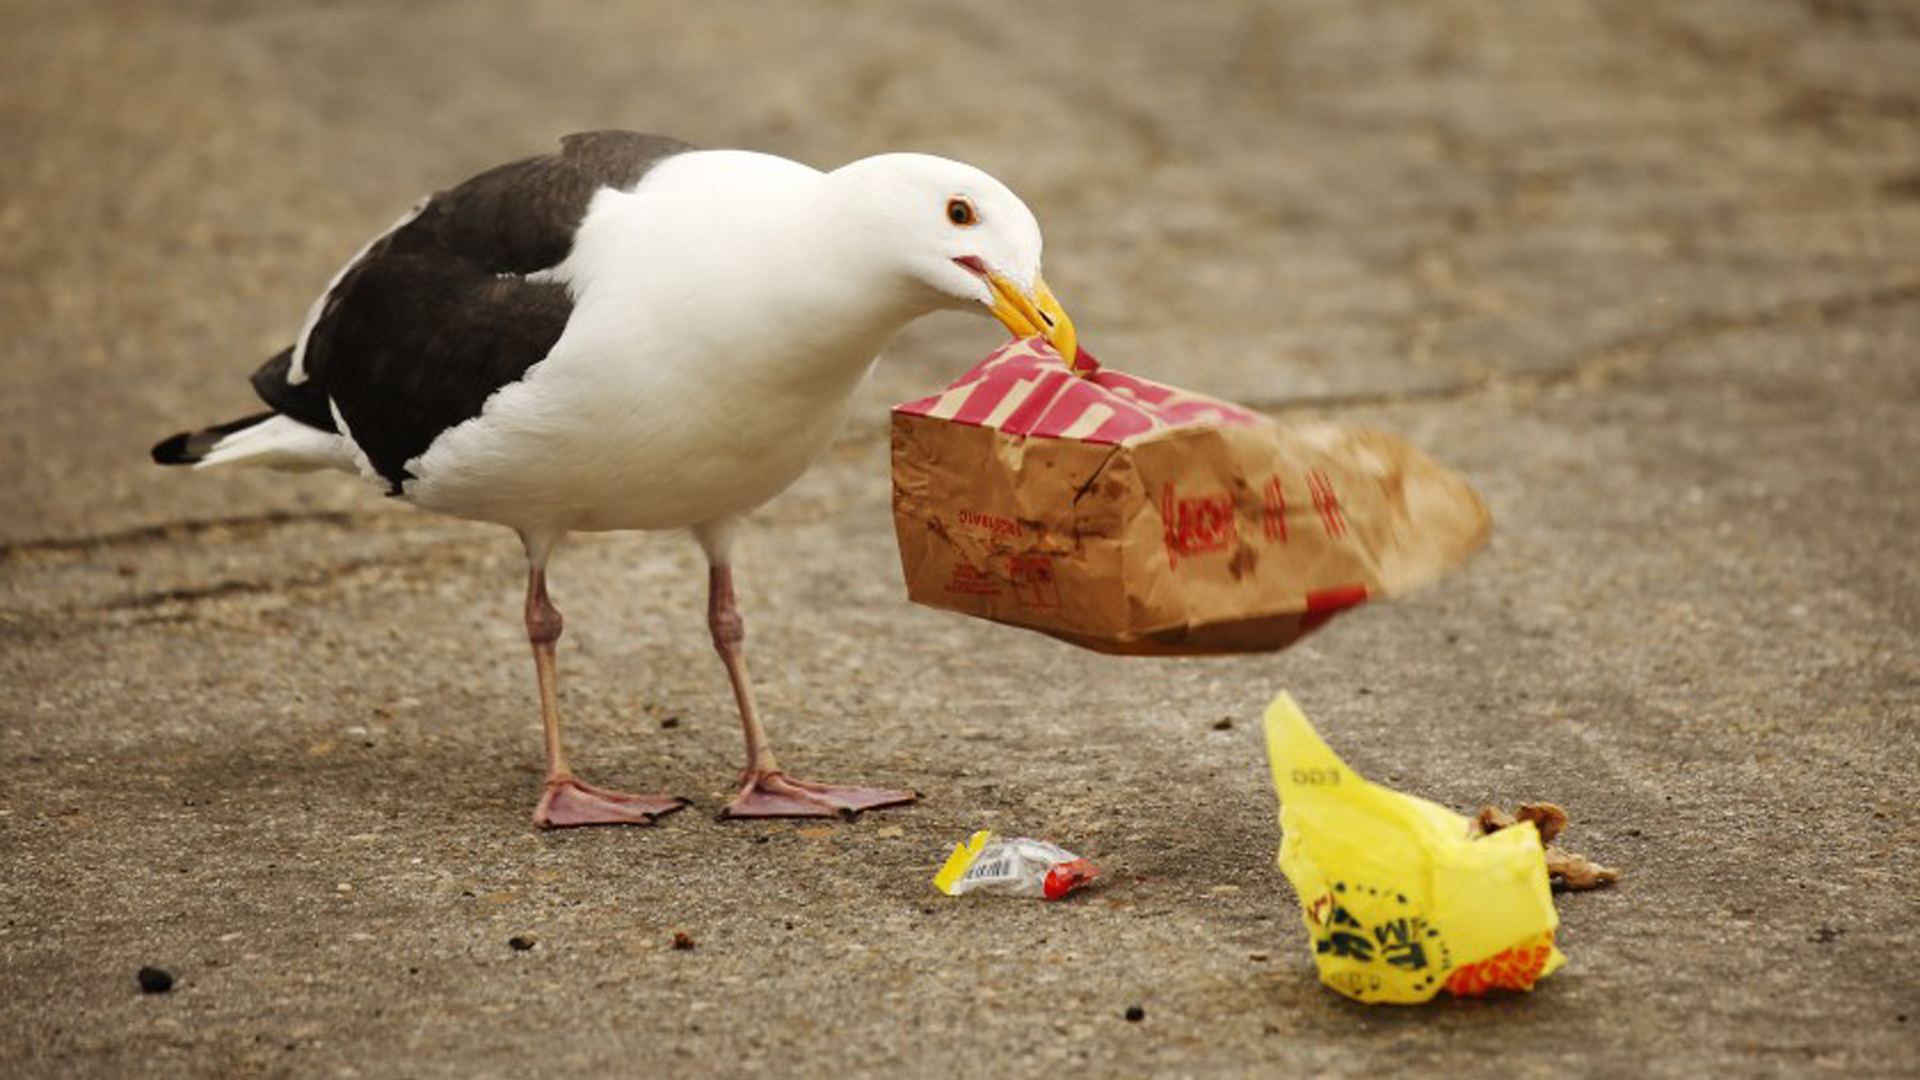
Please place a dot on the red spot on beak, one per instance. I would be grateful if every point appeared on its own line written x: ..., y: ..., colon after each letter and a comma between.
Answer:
x: 973, y: 263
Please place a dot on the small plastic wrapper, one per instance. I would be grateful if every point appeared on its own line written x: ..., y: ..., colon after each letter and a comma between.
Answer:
x: 1400, y: 901
x: 1016, y: 867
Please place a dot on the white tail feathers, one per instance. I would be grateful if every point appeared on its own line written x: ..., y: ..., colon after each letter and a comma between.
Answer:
x: 280, y: 442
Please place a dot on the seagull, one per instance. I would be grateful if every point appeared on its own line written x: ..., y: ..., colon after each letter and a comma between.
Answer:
x: 633, y: 333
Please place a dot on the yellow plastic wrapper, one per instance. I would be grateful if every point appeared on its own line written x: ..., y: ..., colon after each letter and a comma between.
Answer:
x: 1400, y: 902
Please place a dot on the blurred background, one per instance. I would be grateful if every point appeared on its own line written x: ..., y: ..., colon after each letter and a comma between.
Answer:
x: 1645, y: 273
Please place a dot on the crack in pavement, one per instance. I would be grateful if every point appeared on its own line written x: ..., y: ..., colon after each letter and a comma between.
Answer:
x: 75, y: 619
x: 1617, y: 358
x: 193, y: 594
x: 168, y: 531
x: 1765, y: 59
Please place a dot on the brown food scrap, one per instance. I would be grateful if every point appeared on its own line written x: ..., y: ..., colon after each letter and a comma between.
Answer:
x: 1570, y: 870
x: 1578, y: 872
x: 1547, y: 818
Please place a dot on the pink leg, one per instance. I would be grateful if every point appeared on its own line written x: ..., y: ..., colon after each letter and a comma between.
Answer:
x: 765, y: 790
x: 567, y: 800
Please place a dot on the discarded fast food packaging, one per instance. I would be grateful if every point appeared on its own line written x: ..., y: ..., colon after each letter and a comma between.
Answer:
x: 1013, y: 867
x: 1400, y: 900
x: 1128, y: 516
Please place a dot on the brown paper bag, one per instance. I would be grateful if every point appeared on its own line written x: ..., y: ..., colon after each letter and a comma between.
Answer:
x: 1131, y: 517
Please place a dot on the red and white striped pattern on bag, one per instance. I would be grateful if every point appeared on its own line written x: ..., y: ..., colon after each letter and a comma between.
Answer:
x: 1024, y: 388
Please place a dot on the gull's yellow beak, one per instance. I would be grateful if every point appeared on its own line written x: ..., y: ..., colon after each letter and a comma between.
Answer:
x: 1034, y: 314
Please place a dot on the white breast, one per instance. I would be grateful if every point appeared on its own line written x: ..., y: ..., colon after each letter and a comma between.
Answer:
x: 716, y: 341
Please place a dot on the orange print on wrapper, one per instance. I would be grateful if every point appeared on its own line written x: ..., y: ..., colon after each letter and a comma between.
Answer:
x: 1516, y: 969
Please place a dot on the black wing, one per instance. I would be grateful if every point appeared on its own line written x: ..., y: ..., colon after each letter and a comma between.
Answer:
x: 437, y: 315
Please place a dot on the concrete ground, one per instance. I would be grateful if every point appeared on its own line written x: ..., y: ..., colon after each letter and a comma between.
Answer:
x: 1646, y: 274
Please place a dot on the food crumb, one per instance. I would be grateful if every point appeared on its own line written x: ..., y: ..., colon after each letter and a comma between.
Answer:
x: 1567, y: 869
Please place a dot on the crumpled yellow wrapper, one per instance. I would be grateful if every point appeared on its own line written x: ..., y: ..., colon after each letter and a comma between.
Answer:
x: 1400, y: 902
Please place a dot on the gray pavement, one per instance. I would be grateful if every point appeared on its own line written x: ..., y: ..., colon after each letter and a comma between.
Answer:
x: 1647, y: 274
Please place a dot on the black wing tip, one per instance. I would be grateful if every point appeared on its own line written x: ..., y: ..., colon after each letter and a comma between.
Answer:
x: 174, y: 450
x: 190, y: 447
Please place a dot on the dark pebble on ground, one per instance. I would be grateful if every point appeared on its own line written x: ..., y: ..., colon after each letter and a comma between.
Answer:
x: 155, y: 980
x: 1135, y: 1014
x: 521, y: 942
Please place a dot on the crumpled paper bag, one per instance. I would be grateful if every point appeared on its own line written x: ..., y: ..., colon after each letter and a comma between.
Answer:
x: 1399, y: 901
x: 1133, y: 517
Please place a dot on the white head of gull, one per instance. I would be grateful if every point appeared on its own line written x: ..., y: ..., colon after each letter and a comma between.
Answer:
x: 633, y: 334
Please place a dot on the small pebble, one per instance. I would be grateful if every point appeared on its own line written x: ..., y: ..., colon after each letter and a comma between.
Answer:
x: 521, y: 942
x: 155, y: 980
x: 1135, y: 1014
x: 670, y: 722
x: 682, y: 940
x: 1225, y: 723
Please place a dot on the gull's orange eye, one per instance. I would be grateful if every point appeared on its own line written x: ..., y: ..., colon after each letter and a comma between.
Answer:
x: 960, y: 211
